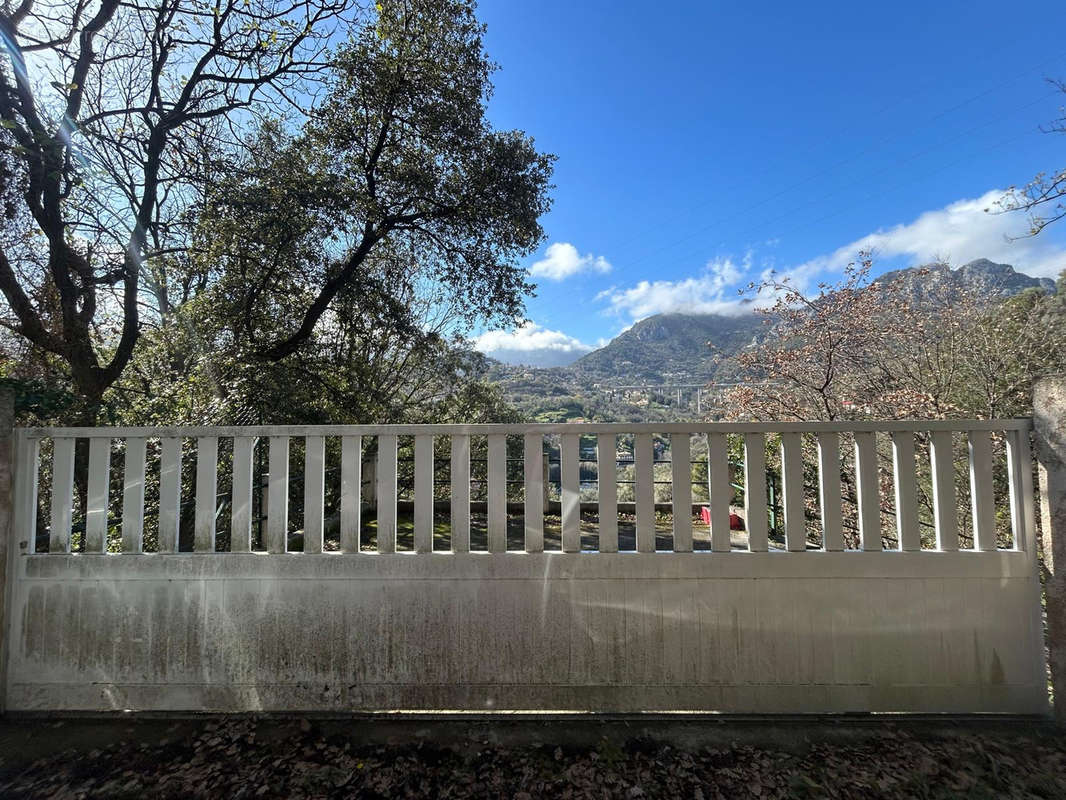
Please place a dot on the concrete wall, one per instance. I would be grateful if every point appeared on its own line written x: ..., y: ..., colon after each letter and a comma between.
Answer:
x: 7, y: 555
x: 734, y: 632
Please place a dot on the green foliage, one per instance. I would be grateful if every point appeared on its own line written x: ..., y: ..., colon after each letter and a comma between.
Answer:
x: 337, y: 266
x: 36, y: 399
x: 396, y: 188
x: 310, y: 267
x: 1011, y: 346
x: 363, y: 373
x: 569, y: 409
x: 108, y: 119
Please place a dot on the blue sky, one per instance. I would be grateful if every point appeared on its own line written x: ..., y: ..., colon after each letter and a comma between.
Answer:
x: 701, y: 143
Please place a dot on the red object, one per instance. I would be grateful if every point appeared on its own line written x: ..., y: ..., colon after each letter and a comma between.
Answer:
x: 735, y: 522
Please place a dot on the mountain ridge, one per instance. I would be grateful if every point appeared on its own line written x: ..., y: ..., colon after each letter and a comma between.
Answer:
x: 672, y: 349
x: 677, y: 347
x: 980, y: 277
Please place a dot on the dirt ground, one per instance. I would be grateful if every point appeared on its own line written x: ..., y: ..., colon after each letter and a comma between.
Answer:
x: 302, y: 758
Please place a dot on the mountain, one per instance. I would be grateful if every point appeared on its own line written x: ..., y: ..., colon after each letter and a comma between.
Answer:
x: 669, y: 348
x: 691, y: 348
x: 677, y: 349
x: 982, y: 279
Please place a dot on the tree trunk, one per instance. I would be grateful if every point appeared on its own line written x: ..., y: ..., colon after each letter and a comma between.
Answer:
x: 86, y: 417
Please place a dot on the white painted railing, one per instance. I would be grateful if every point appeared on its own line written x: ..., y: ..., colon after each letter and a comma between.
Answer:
x: 950, y: 622
x: 809, y: 461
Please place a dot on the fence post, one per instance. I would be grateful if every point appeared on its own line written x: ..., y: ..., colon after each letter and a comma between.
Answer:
x: 7, y: 504
x: 1049, y: 425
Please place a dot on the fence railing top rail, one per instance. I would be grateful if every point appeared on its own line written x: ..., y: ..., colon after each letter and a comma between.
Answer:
x: 847, y: 426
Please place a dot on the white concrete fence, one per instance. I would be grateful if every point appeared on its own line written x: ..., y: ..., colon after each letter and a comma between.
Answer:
x: 925, y: 609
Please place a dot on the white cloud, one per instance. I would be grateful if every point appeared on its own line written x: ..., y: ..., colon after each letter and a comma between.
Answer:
x: 707, y: 293
x: 562, y: 260
x: 531, y: 344
x: 961, y: 232
x: 801, y: 278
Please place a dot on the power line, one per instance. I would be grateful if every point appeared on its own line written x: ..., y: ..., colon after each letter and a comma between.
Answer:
x: 863, y: 180
x: 832, y: 168
x: 904, y: 183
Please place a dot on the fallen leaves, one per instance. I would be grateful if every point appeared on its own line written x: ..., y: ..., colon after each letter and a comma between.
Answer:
x: 245, y: 758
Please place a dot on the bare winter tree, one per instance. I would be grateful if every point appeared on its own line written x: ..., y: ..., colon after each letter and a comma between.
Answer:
x: 866, y: 349
x: 1043, y: 199
x: 107, y: 108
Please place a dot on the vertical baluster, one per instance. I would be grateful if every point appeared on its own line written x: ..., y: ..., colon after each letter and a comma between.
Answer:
x: 96, y: 495
x: 866, y: 484
x: 241, y: 506
x: 169, y: 494
x: 387, y: 493
x: 1018, y: 465
x: 829, y: 491
x: 906, y: 490
x: 27, y: 469
x: 62, y: 494
x: 721, y: 492
x: 943, y: 468
x: 982, y: 499
x: 496, y: 511
x: 423, y: 493
x: 133, y: 496
x: 314, y: 492
x: 681, y: 480
x: 644, y: 491
x: 792, y: 491
x: 533, y: 466
x: 460, y: 493
x: 607, y: 488
x: 206, y: 494
x: 1021, y: 477
x: 351, y: 492
x: 278, y: 495
x: 755, y: 517
x: 546, y: 479
x: 570, y: 491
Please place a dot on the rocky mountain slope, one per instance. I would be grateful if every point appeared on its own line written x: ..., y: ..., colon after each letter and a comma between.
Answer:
x: 689, y: 348
x: 982, y: 279
x: 697, y: 348
x: 669, y: 348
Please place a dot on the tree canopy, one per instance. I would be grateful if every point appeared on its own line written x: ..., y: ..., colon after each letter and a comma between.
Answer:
x: 865, y: 349
x: 860, y: 348
x: 269, y: 174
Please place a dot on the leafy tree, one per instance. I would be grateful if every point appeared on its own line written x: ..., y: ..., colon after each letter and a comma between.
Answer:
x: 1007, y: 348
x: 398, y: 181
x: 216, y: 165
x: 106, y: 111
x: 356, y: 368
